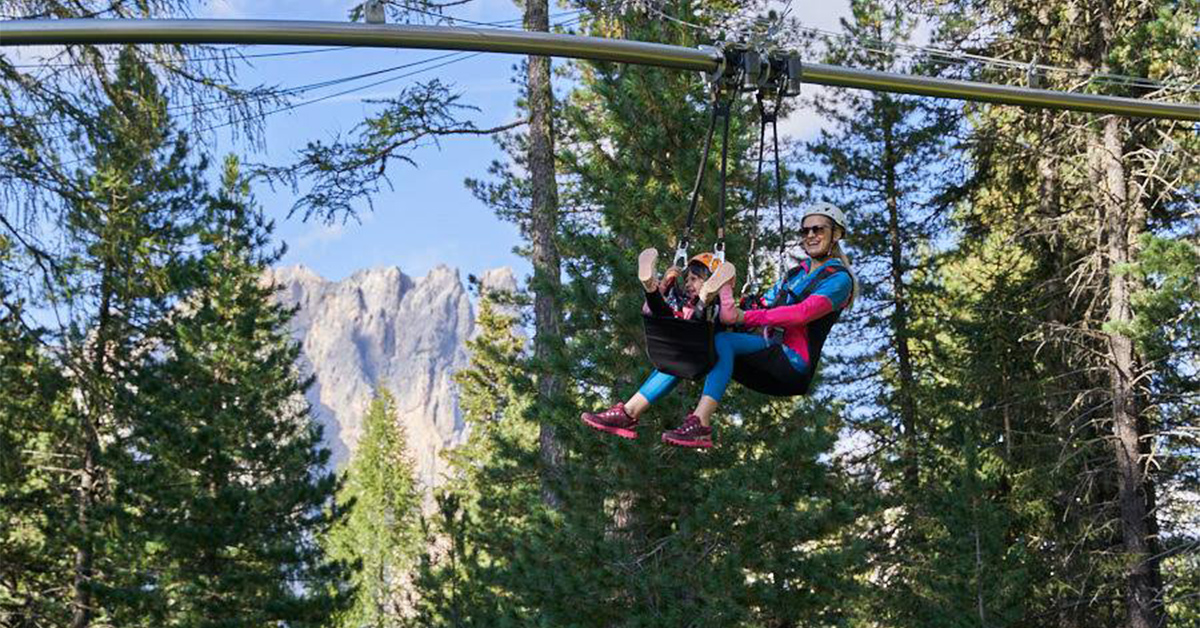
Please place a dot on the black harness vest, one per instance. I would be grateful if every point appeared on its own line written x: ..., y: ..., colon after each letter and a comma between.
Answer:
x: 769, y: 371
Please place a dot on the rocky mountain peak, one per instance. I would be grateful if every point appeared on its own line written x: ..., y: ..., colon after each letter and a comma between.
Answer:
x: 381, y: 327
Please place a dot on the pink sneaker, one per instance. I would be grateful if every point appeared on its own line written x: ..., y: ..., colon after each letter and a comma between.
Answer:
x: 613, y: 420
x: 691, y: 434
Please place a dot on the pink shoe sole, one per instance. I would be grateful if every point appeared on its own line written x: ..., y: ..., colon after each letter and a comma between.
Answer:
x: 646, y: 261
x: 690, y: 444
x: 724, y: 274
x: 619, y: 431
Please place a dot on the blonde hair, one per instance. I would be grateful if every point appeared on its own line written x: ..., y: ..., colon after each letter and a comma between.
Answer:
x: 841, y: 256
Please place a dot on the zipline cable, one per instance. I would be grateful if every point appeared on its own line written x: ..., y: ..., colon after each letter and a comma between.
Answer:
x: 509, y: 23
x: 960, y: 59
x: 319, y: 99
x: 706, y: 60
x: 202, y: 107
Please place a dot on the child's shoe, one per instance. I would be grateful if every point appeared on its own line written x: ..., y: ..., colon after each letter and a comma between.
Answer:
x: 613, y: 420
x: 724, y: 274
x: 646, y: 261
x: 691, y: 434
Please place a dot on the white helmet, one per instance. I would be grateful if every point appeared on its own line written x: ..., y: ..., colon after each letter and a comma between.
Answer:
x: 829, y: 210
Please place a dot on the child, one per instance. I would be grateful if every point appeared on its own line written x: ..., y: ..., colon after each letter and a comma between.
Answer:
x: 678, y: 293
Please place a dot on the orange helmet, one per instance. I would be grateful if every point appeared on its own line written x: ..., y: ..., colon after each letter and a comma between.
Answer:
x: 706, y: 260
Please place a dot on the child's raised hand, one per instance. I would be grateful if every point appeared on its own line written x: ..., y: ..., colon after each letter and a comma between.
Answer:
x: 673, y: 273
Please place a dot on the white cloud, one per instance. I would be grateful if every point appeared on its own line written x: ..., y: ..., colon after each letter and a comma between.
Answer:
x: 320, y: 236
x: 223, y: 10
x: 803, y: 123
x: 30, y: 55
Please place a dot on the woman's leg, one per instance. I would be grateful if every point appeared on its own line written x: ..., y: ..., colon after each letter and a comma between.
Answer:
x: 729, y: 345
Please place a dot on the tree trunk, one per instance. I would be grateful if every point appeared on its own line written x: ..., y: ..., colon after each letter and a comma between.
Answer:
x: 544, y: 225
x: 89, y: 483
x: 908, y: 409
x: 1143, y: 608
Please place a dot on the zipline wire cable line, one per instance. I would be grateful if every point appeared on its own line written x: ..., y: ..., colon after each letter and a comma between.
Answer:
x: 509, y: 23
x: 109, y: 31
x: 957, y: 58
x: 461, y: 56
x: 202, y: 107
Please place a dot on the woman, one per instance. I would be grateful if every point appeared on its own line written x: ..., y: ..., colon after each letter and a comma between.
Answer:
x: 822, y: 229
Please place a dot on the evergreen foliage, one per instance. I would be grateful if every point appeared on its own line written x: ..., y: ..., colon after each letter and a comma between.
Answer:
x: 379, y: 532
x: 178, y: 469
x: 33, y: 477
x: 225, y: 490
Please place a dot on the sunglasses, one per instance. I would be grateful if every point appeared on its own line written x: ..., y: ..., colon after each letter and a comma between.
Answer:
x: 814, y: 230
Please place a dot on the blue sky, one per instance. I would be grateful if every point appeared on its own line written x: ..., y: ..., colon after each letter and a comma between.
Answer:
x: 430, y: 218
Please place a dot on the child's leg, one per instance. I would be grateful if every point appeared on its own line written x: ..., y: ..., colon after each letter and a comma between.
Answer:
x: 657, y: 386
x: 622, y: 418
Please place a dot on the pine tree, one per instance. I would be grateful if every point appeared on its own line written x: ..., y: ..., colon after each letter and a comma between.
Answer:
x: 379, y: 533
x: 1064, y: 394
x: 894, y: 163
x: 34, y: 484
x: 225, y: 485
x: 132, y: 209
x: 484, y: 510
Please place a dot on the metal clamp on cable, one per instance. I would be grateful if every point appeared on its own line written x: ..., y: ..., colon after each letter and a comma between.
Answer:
x: 1032, y: 78
x: 681, y: 256
x: 756, y: 70
x: 716, y: 74
x: 795, y: 75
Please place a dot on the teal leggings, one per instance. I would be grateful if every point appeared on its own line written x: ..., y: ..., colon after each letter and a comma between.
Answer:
x: 729, y: 345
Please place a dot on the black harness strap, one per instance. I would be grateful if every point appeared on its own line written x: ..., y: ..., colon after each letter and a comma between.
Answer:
x: 766, y: 117
x: 719, y: 248
x: 752, y: 274
x: 785, y: 296
x: 714, y: 109
x: 778, y: 177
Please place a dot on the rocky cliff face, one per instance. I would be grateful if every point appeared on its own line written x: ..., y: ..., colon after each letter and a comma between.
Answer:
x: 380, y: 327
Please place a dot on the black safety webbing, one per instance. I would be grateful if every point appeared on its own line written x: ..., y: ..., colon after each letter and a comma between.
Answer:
x: 713, y: 110
x: 720, y: 245
x: 779, y: 180
x: 773, y: 118
x: 752, y: 275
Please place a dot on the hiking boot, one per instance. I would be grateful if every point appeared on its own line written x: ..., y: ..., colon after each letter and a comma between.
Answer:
x: 646, y: 260
x: 690, y: 434
x: 613, y: 420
